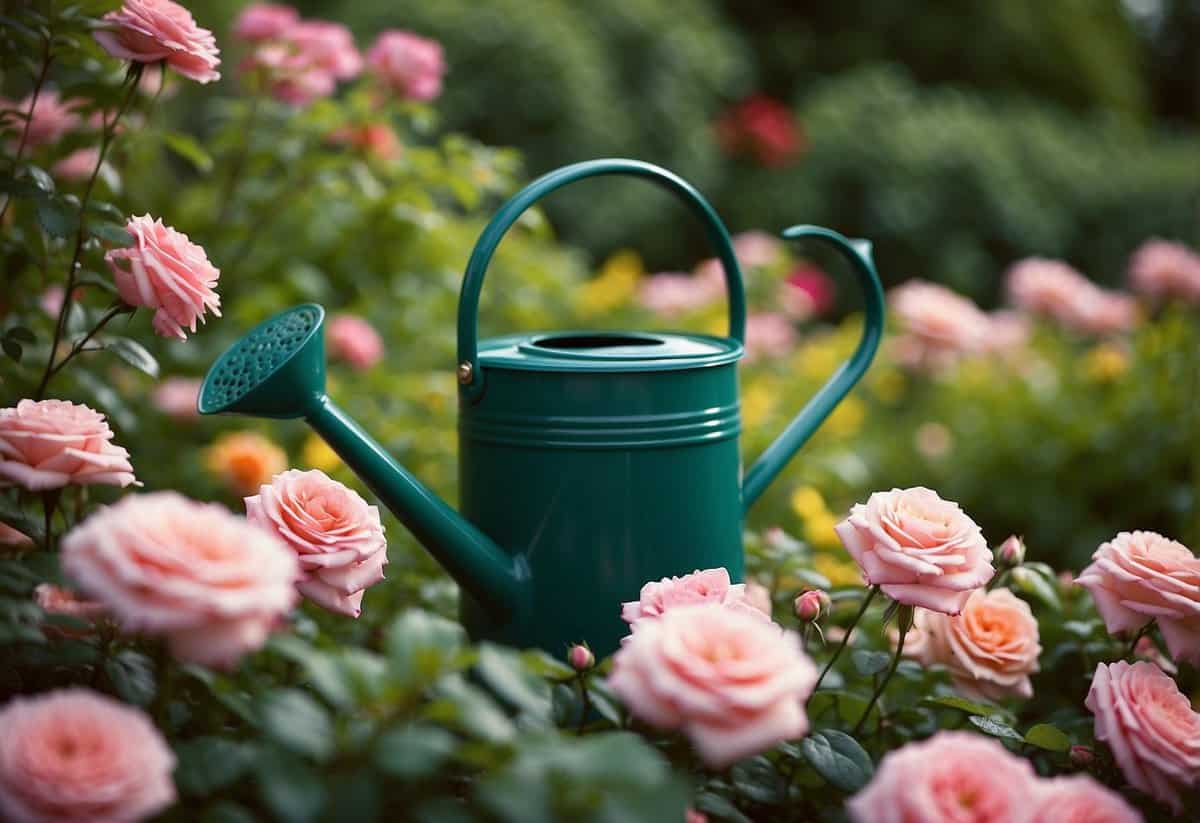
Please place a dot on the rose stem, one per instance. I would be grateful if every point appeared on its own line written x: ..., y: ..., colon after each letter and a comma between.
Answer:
x: 838, y: 651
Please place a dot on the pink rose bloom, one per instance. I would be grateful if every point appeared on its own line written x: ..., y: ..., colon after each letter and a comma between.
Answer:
x: 75, y: 755
x: 1080, y: 799
x: 11, y: 537
x: 769, y: 334
x: 1162, y: 270
x: 48, y: 444
x: 165, y: 271
x: 758, y: 596
x: 952, y: 776
x: 52, y: 299
x: 336, y: 535
x: 1104, y: 313
x: 264, y: 21
x: 754, y: 249
x: 672, y: 293
x: 409, y: 65
x: 806, y: 292
x: 77, y: 166
x: 1007, y: 331
x: 49, y: 120
x: 990, y: 649
x: 352, y: 339
x: 212, y: 584
x: 306, y: 62
x: 1142, y: 576
x: 920, y: 549
x: 150, y: 31
x: 1051, y: 288
x: 940, y: 327
x: 708, y: 586
x: 734, y: 684
x: 1150, y: 727
x: 177, y: 397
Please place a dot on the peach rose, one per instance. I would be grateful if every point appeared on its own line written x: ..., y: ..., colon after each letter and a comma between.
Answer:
x: 672, y: 293
x: 1151, y: 728
x: 11, y: 537
x: 990, y: 649
x: 48, y: 444
x: 177, y: 397
x: 1142, y: 576
x: 769, y: 335
x: 264, y: 21
x: 151, y: 31
x: 77, y: 166
x: 48, y: 121
x: 734, y: 684
x: 1080, y: 799
x: 409, y: 65
x: 709, y: 586
x: 1162, y: 270
x: 336, y: 535
x: 939, y: 325
x: 212, y: 584
x: 352, y: 339
x: 56, y: 600
x: 1053, y: 289
x: 165, y: 271
x: 920, y: 549
x: 77, y: 755
x: 952, y: 776
x: 758, y: 596
x: 245, y: 461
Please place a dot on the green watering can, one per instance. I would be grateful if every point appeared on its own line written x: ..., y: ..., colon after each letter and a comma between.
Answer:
x: 589, y: 462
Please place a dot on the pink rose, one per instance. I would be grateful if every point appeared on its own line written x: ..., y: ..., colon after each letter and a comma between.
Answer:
x: 1142, y: 576
x: 1080, y: 799
x: 264, y: 21
x: 920, y: 549
x: 326, y: 46
x: 1007, y: 331
x: 77, y: 166
x: 940, y: 327
x: 409, y: 65
x: 1053, y: 289
x: 734, y: 684
x: 306, y: 61
x: 708, y: 586
x: 336, y: 535
x: 77, y: 755
x: 214, y: 585
x: 352, y: 339
x: 758, y: 596
x: 11, y: 537
x: 48, y: 444
x: 952, y: 776
x: 1150, y: 727
x: 1162, y: 271
x: 165, y: 271
x: 56, y: 600
x: 990, y: 649
x: 770, y: 335
x: 672, y: 293
x: 755, y: 249
x: 807, y: 292
x: 48, y: 121
x: 177, y: 397
x: 150, y: 31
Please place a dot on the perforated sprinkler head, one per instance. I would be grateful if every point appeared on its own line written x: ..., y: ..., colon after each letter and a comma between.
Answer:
x: 276, y: 370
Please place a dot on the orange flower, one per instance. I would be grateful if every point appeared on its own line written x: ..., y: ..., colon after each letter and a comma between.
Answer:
x: 245, y: 461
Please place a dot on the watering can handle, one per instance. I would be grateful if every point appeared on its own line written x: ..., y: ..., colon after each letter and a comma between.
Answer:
x: 777, y: 455
x: 470, y: 376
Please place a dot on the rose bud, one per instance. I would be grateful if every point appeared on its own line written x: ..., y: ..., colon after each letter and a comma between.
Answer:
x: 812, y: 605
x: 1011, y: 552
x: 1081, y: 756
x: 581, y: 658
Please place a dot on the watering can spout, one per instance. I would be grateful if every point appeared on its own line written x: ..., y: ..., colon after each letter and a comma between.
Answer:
x: 278, y: 370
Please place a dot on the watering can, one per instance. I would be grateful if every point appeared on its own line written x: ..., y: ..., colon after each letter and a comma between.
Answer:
x: 589, y: 462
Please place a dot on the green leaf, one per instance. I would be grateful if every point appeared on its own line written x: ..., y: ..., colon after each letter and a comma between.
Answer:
x: 415, y: 751
x: 227, y: 812
x: 57, y: 218
x: 474, y: 712
x: 17, y: 580
x: 963, y: 705
x: 290, y: 788
x: 995, y: 727
x: 41, y: 178
x: 91, y: 278
x: 1036, y: 586
x: 421, y: 646
x: 502, y: 670
x: 867, y: 662
x: 298, y: 722
x: 112, y: 233
x: 132, y: 676
x: 21, y: 334
x: 719, y: 807
x: 1048, y: 737
x: 133, y: 353
x: 838, y: 758
x: 758, y: 779
x: 209, y: 764
x: 186, y: 147
x: 13, y: 349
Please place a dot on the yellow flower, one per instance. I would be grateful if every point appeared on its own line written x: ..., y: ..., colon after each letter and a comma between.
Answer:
x: 613, y: 287
x: 317, y: 454
x: 818, y: 531
x: 758, y: 402
x: 847, y: 419
x: 808, y: 502
x: 839, y: 572
x: 817, y: 359
x: 1105, y: 363
x: 888, y: 384
x: 245, y: 460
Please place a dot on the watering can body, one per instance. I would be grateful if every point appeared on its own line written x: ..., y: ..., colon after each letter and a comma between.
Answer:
x: 590, y: 462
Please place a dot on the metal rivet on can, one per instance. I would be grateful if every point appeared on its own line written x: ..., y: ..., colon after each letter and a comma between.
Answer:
x: 466, y: 373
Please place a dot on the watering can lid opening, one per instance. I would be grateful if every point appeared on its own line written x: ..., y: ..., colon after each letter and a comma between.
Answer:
x: 607, y: 351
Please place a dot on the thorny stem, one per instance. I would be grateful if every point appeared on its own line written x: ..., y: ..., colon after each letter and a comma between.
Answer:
x: 47, y: 59
x: 78, y: 346
x: 107, y: 134
x: 905, y: 624
x: 849, y: 631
